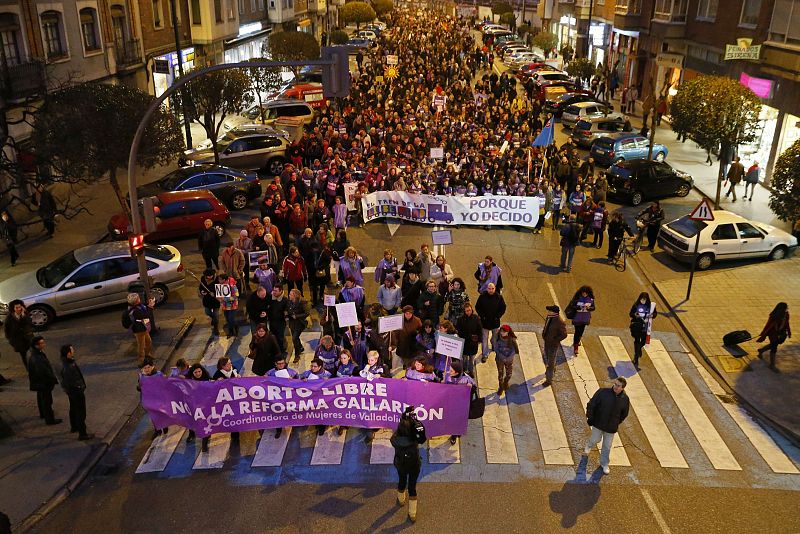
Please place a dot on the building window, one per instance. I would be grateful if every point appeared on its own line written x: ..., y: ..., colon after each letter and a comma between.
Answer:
x: 53, y: 35
x: 91, y: 41
x: 241, y: 7
x: 10, y: 38
x: 785, y: 25
x: 628, y: 7
x: 218, y: 10
x: 707, y: 9
x: 158, y: 21
x: 231, y: 10
x: 118, y: 26
x: 272, y: 4
x: 261, y: 5
x: 750, y: 11
x: 253, y: 7
x: 671, y: 10
x: 196, y: 18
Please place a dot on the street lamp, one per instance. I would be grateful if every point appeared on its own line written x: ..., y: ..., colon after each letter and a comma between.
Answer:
x: 589, y: 29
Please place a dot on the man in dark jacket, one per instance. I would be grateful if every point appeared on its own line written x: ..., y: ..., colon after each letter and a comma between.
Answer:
x: 276, y: 315
x: 19, y: 329
x: 74, y: 386
x: 208, y: 242
x: 208, y: 296
x: 607, y: 409
x: 47, y: 210
x: 42, y: 380
x: 258, y: 307
x: 490, y: 307
x: 652, y: 216
x: 554, y: 331
x: 570, y: 235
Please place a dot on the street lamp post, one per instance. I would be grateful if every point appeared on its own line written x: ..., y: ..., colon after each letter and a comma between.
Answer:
x: 588, y: 29
x: 179, y: 52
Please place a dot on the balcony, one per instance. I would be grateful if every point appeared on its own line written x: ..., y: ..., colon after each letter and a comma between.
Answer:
x: 627, y: 15
x: 127, y: 53
x: 24, y: 80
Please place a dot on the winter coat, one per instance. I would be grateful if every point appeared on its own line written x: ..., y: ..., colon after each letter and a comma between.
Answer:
x: 410, y: 293
x: 208, y: 241
x: 298, y: 315
x: 294, y: 269
x: 263, y: 351
x: 407, y: 337
x: 277, y: 310
x: 19, y: 331
x: 430, y: 306
x: 470, y: 330
x: 40, y: 372
x: 505, y: 347
x: 232, y: 262
x: 607, y: 410
x: 774, y: 330
x: 555, y: 330
x: 490, y: 308
x: 71, y: 376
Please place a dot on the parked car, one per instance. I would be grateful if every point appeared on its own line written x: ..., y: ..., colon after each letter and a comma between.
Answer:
x: 310, y: 93
x: 581, y: 110
x: 636, y: 180
x: 557, y: 105
x: 245, y: 129
x: 273, y: 110
x: 365, y: 45
x: 366, y: 34
x: 245, y: 152
x: 728, y: 237
x: 523, y: 58
x: 526, y: 71
x: 608, y: 150
x: 91, y: 277
x: 543, y: 93
x: 588, y: 130
x: 234, y: 188
x: 180, y: 213
x: 500, y: 47
x: 544, y: 77
x: 505, y: 51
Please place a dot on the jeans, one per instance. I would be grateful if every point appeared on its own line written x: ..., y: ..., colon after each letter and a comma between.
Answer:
x: 608, y: 440
x: 298, y: 344
x: 213, y: 314
x: 77, y: 411
x: 485, y: 340
x: 731, y: 189
x: 576, y: 339
x: 144, y: 344
x: 408, y: 477
x: 567, y: 249
x: 230, y: 322
x: 469, y: 363
x: 752, y: 189
x: 598, y: 238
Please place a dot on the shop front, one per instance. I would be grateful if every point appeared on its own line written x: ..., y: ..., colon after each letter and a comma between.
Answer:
x: 567, y: 31
x: 165, y: 69
x: 598, y: 32
x: 250, y: 43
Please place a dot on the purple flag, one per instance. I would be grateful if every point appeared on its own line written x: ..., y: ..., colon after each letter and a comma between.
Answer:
x: 255, y: 403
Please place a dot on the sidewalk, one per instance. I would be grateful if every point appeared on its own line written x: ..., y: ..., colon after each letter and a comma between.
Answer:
x: 40, y: 465
x: 741, y: 299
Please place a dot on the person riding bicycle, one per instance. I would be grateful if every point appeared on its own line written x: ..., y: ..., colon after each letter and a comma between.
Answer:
x: 651, y: 217
x: 617, y: 228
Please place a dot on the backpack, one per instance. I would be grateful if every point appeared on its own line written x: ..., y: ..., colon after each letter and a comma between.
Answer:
x: 127, y: 322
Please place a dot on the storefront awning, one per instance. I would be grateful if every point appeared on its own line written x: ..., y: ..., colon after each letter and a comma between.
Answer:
x: 230, y: 43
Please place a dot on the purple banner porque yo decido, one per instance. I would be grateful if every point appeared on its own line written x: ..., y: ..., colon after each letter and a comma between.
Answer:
x: 255, y: 403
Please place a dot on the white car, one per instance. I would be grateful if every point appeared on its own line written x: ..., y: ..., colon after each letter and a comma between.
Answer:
x: 366, y: 34
x: 728, y: 237
x: 584, y: 110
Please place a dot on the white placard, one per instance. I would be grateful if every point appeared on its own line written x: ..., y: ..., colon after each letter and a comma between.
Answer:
x: 350, y: 189
x: 437, y: 153
x: 448, y: 345
x: 442, y: 237
x: 282, y: 373
x: 391, y: 60
x: 329, y: 300
x: 222, y: 291
x: 346, y: 314
x: 390, y: 323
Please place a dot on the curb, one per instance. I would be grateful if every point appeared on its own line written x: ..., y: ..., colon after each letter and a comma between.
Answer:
x: 787, y: 433
x: 99, y: 450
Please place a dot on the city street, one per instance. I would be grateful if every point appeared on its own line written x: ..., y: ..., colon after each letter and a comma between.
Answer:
x: 711, y: 444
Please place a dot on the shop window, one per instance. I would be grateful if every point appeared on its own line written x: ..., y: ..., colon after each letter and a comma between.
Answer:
x: 10, y: 38
x: 196, y: 18
x: 91, y: 41
x: 707, y: 9
x: 750, y: 11
x: 218, y: 11
x: 53, y: 35
x: 158, y: 19
x: 785, y: 24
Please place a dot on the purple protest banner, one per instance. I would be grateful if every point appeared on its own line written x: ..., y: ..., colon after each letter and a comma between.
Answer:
x: 255, y: 403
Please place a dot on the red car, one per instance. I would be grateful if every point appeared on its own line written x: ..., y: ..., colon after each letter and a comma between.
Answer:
x: 178, y: 214
x: 526, y: 71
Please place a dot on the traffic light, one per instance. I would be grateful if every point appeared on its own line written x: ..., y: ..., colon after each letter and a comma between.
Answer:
x: 336, y: 77
x: 150, y: 212
x: 135, y: 242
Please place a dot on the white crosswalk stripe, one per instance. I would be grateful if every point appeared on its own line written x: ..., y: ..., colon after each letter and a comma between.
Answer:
x: 503, y: 439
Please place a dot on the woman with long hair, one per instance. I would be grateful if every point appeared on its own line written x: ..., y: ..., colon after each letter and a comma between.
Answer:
x: 406, y: 439
x: 776, y: 330
x: 642, y: 314
x: 580, y: 310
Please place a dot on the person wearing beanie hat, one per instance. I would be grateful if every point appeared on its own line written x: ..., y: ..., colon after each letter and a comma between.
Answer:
x: 456, y: 375
x: 554, y: 331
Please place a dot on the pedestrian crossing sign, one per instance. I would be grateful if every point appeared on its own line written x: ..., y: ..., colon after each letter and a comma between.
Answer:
x: 703, y: 211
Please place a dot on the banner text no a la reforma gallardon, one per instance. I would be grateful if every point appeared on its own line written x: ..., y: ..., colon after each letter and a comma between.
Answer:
x: 490, y: 210
x: 256, y: 403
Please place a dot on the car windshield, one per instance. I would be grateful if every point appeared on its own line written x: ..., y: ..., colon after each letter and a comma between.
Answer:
x: 174, y: 179
x: 159, y: 252
x: 50, y: 275
x: 686, y: 226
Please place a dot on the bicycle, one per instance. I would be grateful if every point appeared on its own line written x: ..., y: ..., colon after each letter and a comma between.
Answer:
x: 627, y: 248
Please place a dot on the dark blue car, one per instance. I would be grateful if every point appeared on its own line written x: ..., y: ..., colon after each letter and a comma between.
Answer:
x: 610, y: 150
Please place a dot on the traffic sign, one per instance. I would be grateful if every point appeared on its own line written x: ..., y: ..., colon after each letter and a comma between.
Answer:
x: 703, y: 211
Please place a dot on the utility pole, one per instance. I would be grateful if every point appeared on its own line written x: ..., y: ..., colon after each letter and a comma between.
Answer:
x: 186, y: 120
x: 589, y: 30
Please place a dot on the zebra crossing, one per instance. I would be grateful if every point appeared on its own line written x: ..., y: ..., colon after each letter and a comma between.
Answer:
x: 529, y: 431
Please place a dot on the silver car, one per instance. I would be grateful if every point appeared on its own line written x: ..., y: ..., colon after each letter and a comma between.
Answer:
x: 246, y: 152
x: 91, y: 277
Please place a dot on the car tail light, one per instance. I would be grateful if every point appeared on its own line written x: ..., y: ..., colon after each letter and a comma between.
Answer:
x: 611, y: 154
x: 180, y: 267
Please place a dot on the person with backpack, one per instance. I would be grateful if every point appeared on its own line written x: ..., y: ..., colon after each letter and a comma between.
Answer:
x: 410, y: 433
x: 570, y: 235
x: 137, y: 319
x: 642, y: 314
x: 580, y: 310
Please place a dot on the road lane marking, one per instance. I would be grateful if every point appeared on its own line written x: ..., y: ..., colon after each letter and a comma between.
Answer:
x: 161, y: 450
x: 769, y: 450
x: 552, y: 437
x: 708, y: 437
x: 662, y: 524
x: 497, y: 432
x: 271, y: 449
x: 382, y: 451
x: 586, y: 385
x: 218, y: 447
x: 328, y: 447
x: 661, y: 441
x: 440, y: 451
